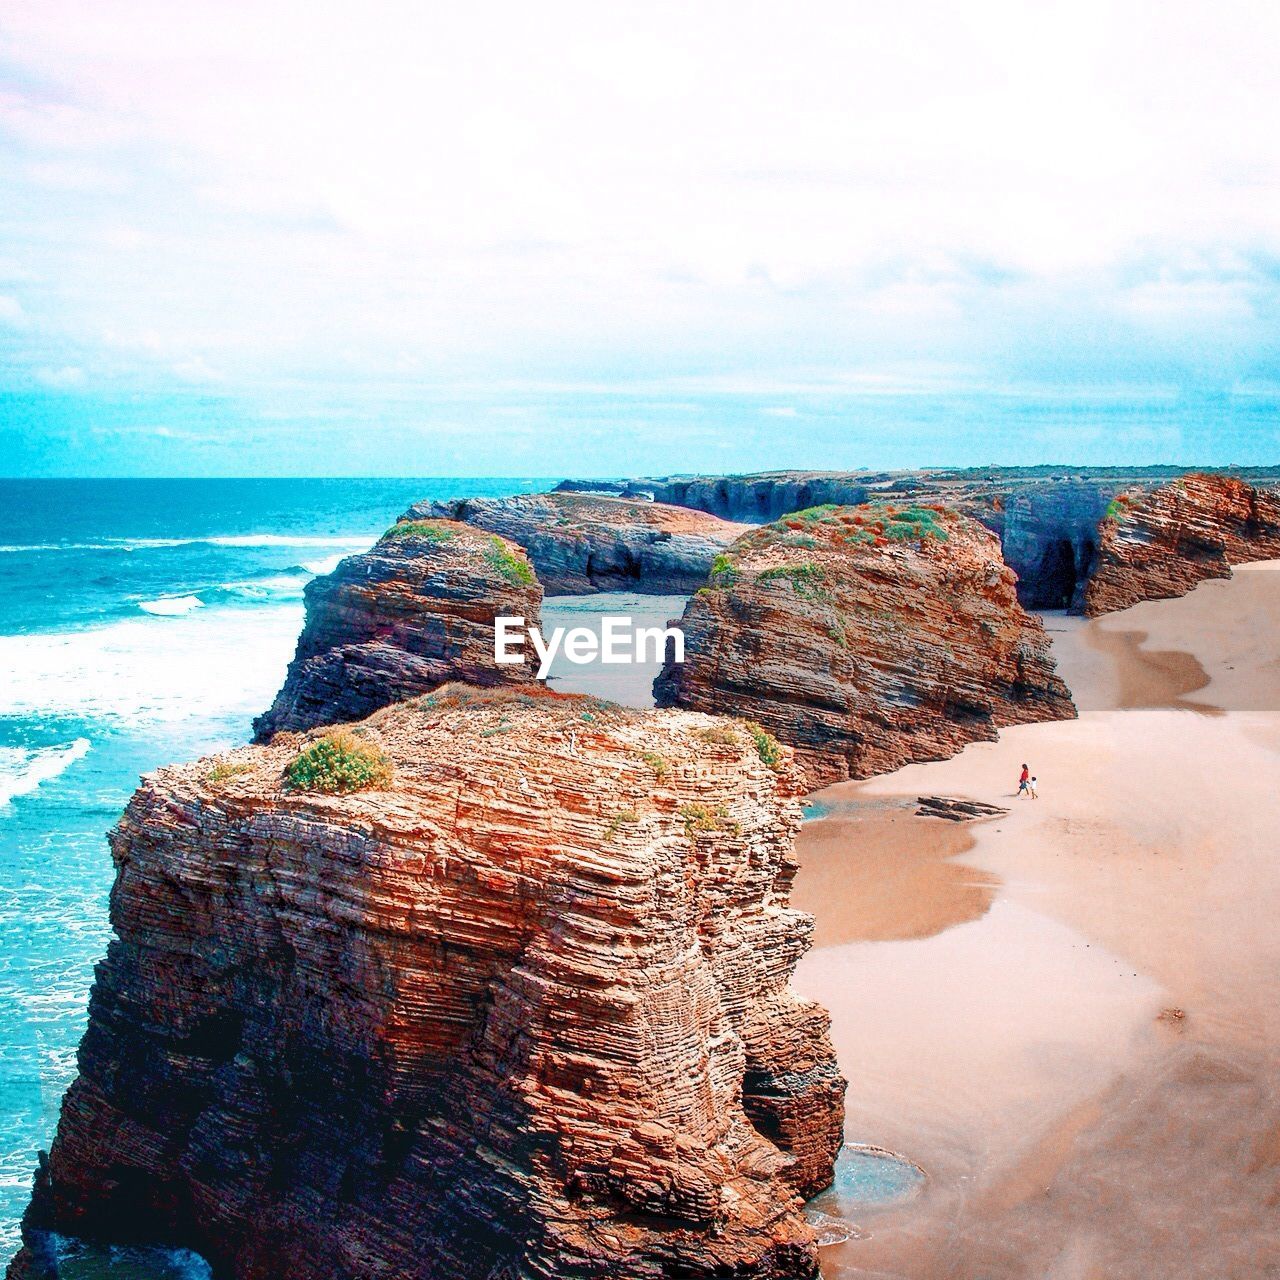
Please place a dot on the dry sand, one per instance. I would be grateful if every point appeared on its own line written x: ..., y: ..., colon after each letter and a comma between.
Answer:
x: 1002, y: 993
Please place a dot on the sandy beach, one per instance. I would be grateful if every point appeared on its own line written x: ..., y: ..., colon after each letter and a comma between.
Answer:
x: 1067, y: 1015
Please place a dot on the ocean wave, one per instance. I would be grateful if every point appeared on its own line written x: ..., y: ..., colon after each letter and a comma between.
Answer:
x: 171, y: 606
x: 358, y: 542
x: 215, y: 663
x: 133, y: 1260
x: 353, y: 542
x: 23, y: 769
x: 319, y: 568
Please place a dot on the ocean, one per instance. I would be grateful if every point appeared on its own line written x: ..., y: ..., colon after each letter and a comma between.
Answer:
x: 141, y: 622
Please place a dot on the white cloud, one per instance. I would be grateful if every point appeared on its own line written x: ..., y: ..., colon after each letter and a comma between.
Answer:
x: 68, y: 375
x: 399, y: 196
x: 12, y: 314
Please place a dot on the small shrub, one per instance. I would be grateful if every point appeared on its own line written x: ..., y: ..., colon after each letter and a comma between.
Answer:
x: 225, y: 769
x: 339, y: 763
x: 701, y: 817
x: 719, y: 733
x: 425, y: 530
x: 656, y: 762
x: 805, y: 579
x: 768, y: 747
x: 723, y: 574
x: 623, y: 818
x: 516, y: 569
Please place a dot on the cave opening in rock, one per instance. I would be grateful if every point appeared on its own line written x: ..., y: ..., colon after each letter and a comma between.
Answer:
x: 1056, y: 580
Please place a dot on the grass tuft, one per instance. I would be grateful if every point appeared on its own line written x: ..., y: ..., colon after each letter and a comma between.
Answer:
x: 768, y: 747
x: 339, y: 763
x: 225, y: 769
x: 516, y: 569
x: 422, y: 530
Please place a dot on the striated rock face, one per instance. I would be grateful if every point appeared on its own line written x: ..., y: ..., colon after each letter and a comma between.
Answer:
x: 580, y: 543
x: 1046, y: 517
x: 866, y: 637
x: 1162, y: 542
x: 411, y: 614
x: 524, y: 1013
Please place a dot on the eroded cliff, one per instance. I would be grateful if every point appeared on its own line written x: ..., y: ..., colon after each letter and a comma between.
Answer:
x: 580, y: 543
x: 415, y: 612
x: 866, y: 637
x: 523, y: 1010
x: 1161, y: 542
x: 1046, y: 517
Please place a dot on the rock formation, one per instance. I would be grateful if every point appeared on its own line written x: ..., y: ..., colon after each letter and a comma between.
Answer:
x: 580, y: 543
x: 866, y: 637
x: 523, y: 1012
x: 411, y: 614
x: 1046, y: 517
x: 1161, y: 542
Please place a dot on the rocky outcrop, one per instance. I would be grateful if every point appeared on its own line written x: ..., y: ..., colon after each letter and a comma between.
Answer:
x: 1046, y: 517
x: 866, y: 637
x: 957, y: 809
x: 523, y: 1012
x: 1162, y: 542
x: 402, y: 619
x: 580, y: 543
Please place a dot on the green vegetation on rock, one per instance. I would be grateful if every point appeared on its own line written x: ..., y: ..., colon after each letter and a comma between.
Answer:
x: 767, y: 746
x: 339, y: 763
x: 424, y: 530
x: 225, y: 769
x: 514, y: 568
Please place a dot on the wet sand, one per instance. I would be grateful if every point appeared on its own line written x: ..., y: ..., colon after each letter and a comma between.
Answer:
x: 1002, y: 997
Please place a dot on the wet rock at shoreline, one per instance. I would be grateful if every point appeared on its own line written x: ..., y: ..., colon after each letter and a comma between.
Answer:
x: 1159, y: 543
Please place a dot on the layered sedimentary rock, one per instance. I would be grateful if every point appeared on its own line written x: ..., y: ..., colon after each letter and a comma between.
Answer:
x: 866, y: 637
x: 1161, y: 542
x: 523, y: 1012
x: 402, y: 619
x: 1046, y: 517
x: 580, y: 543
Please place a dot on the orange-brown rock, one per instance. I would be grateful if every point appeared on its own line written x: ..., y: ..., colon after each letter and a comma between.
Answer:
x: 525, y: 1012
x: 1162, y: 542
x: 580, y: 543
x: 402, y: 619
x: 866, y: 637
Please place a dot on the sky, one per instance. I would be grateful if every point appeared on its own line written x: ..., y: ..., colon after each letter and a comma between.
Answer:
x: 594, y: 239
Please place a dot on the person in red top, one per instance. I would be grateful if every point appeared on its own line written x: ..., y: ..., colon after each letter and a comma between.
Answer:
x: 1024, y: 781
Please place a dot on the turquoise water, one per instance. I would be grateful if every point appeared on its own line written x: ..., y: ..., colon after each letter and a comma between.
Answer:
x: 867, y: 1179
x: 140, y: 622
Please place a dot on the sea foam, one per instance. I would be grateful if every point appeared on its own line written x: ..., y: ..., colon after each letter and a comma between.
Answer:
x: 171, y: 606
x: 213, y: 663
x: 23, y: 769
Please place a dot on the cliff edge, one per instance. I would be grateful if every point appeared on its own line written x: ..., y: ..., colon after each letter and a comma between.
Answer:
x: 1162, y: 542
x: 866, y: 637
x: 493, y: 984
x: 402, y: 619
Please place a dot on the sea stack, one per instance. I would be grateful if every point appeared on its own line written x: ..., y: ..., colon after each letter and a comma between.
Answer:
x: 1158, y: 543
x: 494, y: 983
x: 866, y: 637
x: 580, y: 543
x: 402, y: 619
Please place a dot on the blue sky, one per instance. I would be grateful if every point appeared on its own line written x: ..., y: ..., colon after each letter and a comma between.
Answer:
x: 591, y: 239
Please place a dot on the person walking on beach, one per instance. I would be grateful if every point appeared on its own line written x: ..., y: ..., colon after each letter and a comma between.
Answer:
x: 1024, y: 781
x: 1031, y: 789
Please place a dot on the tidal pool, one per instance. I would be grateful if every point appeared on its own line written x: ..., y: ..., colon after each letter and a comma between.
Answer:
x: 867, y: 1179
